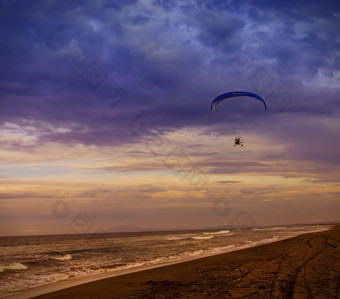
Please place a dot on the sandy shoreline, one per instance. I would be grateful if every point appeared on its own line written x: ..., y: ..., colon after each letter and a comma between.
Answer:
x: 267, y: 270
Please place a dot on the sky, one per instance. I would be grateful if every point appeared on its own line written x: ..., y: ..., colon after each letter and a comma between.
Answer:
x: 105, y: 120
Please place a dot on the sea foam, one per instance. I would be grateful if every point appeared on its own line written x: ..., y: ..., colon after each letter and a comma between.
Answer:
x: 221, y: 232
x: 13, y: 266
x: 65, y: 257
x: 202, y: 238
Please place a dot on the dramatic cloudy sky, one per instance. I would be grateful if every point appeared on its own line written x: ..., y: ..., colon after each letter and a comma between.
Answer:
x: 105, y: 117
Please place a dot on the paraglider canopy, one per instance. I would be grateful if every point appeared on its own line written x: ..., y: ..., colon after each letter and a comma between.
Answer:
x: 232, y: 94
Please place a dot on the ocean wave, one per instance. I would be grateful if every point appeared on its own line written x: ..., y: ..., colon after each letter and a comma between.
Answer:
x: 132, y: 265
x: 162, y: 260
x: 65, y: 257
x: 246, y: 244
x: 40, y: 263
x: 176, y: 257
x: 13, y: 267
x: 11, y: 285
x: 268, y: 240
x: 222, y: 249
x: 277, y: 228
x: 177, y: 238
x: 262, y: 241
x: 202, y: 238
x: 271, y: 228
x: 180, y: 237
x: 221, y: 232
x: 55, y: 255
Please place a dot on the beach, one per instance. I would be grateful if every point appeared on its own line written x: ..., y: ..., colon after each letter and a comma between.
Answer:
x: 169, y: 149
x: 306, y: 266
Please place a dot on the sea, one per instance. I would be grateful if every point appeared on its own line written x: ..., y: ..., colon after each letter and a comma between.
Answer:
x: 31, y: 261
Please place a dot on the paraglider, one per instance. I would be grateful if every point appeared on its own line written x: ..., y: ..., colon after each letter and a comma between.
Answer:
x: 232, y: 94
x: 238, y: 139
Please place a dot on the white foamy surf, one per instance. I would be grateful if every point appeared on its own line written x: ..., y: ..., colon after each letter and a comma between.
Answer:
x: 13, y: 267
x: 28, y: 262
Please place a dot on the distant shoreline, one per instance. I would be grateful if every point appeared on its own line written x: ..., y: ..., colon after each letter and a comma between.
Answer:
x: 84, y: 282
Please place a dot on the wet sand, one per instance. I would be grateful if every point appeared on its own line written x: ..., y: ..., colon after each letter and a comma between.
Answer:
x: 307, y: 266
